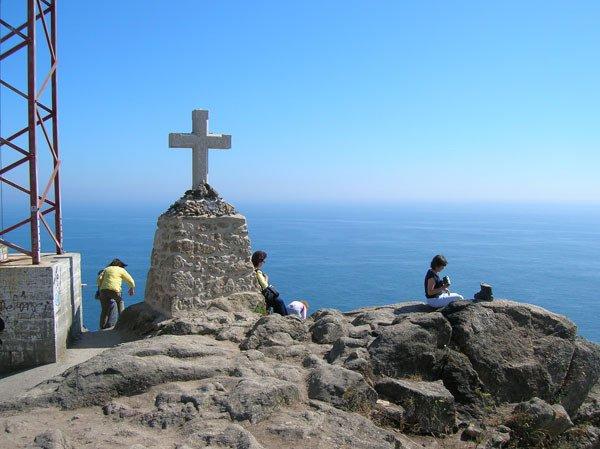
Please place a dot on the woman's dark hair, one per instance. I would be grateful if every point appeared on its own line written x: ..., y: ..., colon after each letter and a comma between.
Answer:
x: 258, y: 257
x: 438, y: 261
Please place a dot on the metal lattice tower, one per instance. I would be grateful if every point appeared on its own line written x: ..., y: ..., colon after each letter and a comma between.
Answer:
x: 41, y: 121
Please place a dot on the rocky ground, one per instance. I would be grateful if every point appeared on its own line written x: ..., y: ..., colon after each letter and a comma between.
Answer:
x: 486, y: 375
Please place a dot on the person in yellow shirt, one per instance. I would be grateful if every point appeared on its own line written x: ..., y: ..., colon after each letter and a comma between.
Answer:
x: 272, y: 298
x: 109, y: 285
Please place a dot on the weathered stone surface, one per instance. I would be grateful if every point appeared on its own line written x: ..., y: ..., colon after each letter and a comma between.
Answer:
x: 580, y: 437
x: 51, y: 439
x: 201, y: 252
x: 412, y: 346
x: 276, y: 330
x: 328, y: 327
x: 342, y: 388
x: 589, y: 412
x: 342, y: 348
x: 520, y: 351
x: 537, y: 419
x: 428, y: 406
x: 256, y: 399
x: 583, y: 374
x: 130, y: 369
x: 459, y: 377
x: 277, y: 388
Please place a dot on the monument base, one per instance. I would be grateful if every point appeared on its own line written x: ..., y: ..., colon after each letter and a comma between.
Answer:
x: 40, y: 309
x: 201, y: 253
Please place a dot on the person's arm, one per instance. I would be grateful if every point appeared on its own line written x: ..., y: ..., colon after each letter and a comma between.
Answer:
x: 431, y: 290
x: 127, y: 278
x: 263, y: 279
x: 99, y: 279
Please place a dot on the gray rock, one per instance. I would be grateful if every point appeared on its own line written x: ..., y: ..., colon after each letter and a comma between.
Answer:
x: 520, y: 351
x: 341, y: 387
x: 472, y: 432
x: 328, y: 326
x: 583, y: 374
x: 429, y: 406
x: 375, y: 318
x: 580, y: 437
x: 536, y: 419
x: 462, y: 381
x: 411, y: 347
x: 275, y: 330
x: 343, y: 346
x: 227, y: 435
x: 387, y: 414
x: 256, y: 399
x: 589, y: 412
x: 51, y: 439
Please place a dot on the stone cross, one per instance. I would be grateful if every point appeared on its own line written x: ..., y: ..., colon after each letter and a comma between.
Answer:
x: 200, y: 141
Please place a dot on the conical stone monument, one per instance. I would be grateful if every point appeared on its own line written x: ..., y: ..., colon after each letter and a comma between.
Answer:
x: 201, y: 247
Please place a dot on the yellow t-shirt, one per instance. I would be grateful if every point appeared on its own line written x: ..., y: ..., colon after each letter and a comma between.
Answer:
x: 262, y: 278
x: 112, y: 277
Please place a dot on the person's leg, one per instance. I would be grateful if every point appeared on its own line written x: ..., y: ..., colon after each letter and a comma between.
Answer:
x: 444, y: 299
x: 105, y: 309
x: 280, y: 307
x: 120, y: 304
x: 112, y: 314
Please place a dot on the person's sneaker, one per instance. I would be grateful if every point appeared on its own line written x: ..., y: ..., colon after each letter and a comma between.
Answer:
x: 485, y: 294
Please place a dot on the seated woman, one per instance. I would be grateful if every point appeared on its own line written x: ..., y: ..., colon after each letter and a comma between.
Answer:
x: 298, y: 308
x: 436, y: 289
x: 272, y: 298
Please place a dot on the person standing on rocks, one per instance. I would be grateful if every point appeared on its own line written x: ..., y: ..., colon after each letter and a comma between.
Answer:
x: 109, y: 283
x: 436, y: 289
x: 272, y: 297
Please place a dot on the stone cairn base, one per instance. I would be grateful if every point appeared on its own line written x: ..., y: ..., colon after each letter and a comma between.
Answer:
x: 201, y: 253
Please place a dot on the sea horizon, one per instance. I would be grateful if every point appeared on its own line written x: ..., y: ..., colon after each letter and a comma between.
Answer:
x: 349, y: 255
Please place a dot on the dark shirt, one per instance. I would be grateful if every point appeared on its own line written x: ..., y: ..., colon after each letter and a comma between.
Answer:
x: 438, y: 283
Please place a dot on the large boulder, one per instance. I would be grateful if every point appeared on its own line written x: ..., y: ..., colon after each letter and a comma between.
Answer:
x: 428, y: 406
x: 536, y: 420
x: 329, y: 325
x: 256, y: 399
x: 520, y: 351
x: 341, y: 387
x: 412, y: 346
x: 276, y: 330
x: 589, y: 412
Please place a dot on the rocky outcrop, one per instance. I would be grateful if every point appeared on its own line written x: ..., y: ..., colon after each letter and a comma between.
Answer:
x: 341, y: 388
x: 398, y: 376
x: 428, y: 406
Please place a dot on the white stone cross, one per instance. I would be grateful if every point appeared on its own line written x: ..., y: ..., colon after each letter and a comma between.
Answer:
x: 200, y: 141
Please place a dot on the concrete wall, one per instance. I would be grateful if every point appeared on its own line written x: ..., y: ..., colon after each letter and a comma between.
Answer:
x: 40, y: 309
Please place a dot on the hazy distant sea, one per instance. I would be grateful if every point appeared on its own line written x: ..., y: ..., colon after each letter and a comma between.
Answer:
x: 351, y: 256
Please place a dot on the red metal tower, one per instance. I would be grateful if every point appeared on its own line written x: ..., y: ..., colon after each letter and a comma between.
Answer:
x: 42, y: 120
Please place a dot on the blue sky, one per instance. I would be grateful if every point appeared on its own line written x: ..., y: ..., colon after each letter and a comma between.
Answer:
x: 350, y: 101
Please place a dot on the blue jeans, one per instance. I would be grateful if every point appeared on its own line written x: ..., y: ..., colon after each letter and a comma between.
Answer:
x: 278, y: 306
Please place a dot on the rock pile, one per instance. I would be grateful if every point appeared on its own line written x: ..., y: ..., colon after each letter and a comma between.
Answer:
x: 486, y: 375
x: 201, y: 202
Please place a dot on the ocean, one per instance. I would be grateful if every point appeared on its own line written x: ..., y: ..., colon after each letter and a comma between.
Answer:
x: 351, y: 256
